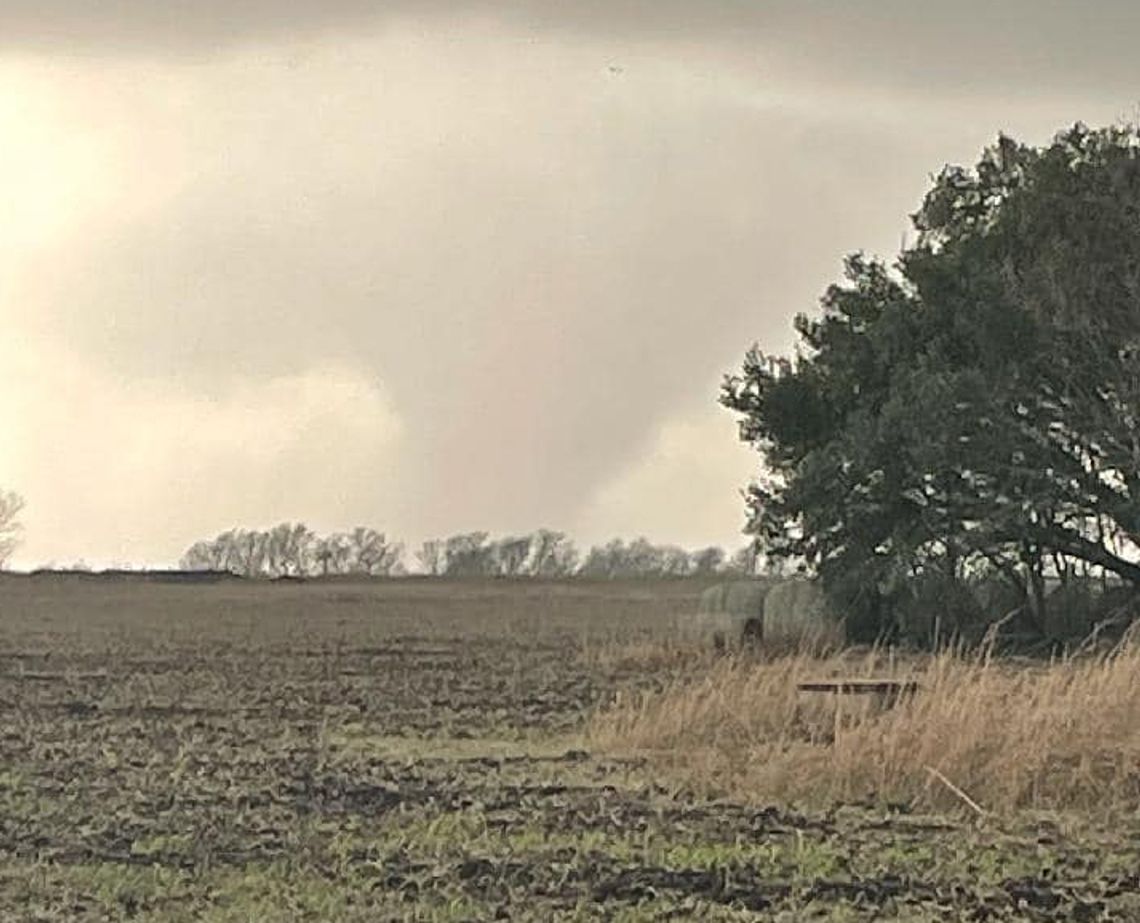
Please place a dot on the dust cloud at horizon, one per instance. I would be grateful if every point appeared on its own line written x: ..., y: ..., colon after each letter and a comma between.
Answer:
x: 454, y: 266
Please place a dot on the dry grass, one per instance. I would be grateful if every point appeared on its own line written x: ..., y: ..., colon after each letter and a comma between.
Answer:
x: 981, y: 735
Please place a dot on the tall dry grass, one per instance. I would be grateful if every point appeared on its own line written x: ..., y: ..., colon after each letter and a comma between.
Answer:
x: 980, y: 734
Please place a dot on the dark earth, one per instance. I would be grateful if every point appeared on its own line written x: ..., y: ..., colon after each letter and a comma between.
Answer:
x: 413, y: 750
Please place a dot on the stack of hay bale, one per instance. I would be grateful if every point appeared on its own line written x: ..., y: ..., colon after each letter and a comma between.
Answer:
x: 780, y: 613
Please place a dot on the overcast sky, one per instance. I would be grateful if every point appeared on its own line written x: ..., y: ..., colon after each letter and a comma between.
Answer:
x: 436, y: 266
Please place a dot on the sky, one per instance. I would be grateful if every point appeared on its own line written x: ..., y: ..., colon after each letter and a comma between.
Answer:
x: 443, y: 266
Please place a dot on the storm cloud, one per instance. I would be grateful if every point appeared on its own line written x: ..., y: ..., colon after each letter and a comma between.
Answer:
x: 438, y: 267
x: 971, y: 45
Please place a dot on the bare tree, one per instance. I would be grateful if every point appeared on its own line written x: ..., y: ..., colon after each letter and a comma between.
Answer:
x: 554, y: 554
x: 201, y: 556
x: 744, y: 562
x: 469, y: 555
x: 238, y: 551
x: 641, y: 558
x: 294, y: 550
x: 290, y: 550
x: 11, y: 530
x: 511, y: 555
x: 707, y: 560
x: 432, y: 558
x: 603, y: 560
x: 370, y: 552
x: 674, y: 561
x: 333, y: 554
x: 246, y: 552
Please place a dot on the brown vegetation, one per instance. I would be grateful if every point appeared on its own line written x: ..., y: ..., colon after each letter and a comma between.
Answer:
x: 980, y: 735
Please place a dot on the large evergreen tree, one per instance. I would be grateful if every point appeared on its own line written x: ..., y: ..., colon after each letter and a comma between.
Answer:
x: 976, y: 406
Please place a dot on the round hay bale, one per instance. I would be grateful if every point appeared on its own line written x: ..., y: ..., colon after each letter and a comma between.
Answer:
x: 713, y: 599
x: 746, y: 597
x: 730, y: 612
x: 798, y: 616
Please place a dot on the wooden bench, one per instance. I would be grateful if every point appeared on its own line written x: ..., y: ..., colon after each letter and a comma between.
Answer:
x: 887, y: 692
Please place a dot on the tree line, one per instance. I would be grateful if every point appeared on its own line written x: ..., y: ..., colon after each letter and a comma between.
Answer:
x: 295, y: 550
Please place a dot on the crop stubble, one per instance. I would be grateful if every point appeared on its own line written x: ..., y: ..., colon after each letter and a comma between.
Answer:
x: 413, y: 750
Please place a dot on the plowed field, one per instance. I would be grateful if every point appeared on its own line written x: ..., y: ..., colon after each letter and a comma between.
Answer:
x: 414, y: 751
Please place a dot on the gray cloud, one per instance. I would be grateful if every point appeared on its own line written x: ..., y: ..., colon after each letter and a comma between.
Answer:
x: 983, y: 47
x: 436, y: 278
x: 536, y: 297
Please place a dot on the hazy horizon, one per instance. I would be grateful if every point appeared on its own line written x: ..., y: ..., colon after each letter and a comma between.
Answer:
x: 441, y: 267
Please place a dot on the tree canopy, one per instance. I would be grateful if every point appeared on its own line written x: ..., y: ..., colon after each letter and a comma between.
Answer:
x: 974, y: 407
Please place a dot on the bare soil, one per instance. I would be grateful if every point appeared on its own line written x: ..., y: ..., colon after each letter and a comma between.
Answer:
x: 414, y: 750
